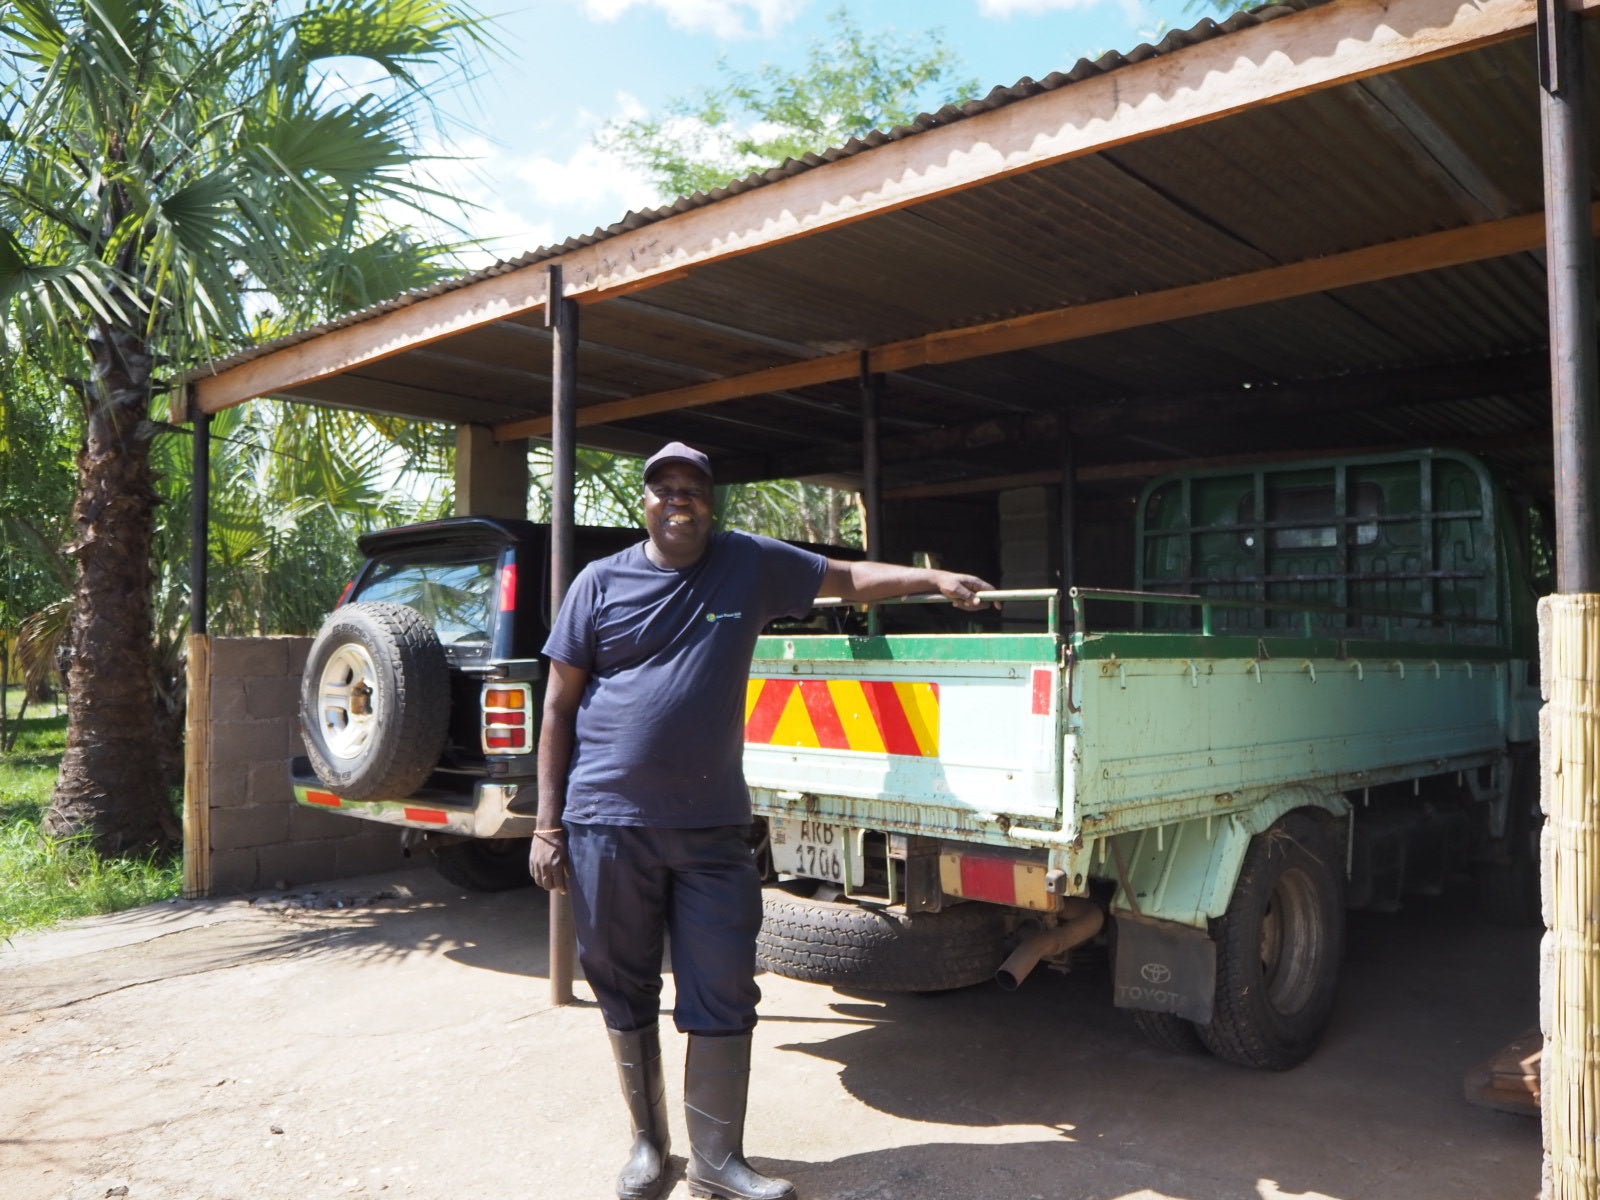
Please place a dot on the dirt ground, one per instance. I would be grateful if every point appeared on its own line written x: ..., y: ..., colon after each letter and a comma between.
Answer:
x: 392, y: 1037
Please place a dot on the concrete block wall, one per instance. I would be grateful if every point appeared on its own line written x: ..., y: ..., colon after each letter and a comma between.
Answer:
x: 259, y: 837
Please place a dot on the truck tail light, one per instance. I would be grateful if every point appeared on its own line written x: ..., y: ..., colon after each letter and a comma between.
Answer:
x: 508, y: 588
x: 979, y: 875
x: 505, y: 718
x: 345, y: 595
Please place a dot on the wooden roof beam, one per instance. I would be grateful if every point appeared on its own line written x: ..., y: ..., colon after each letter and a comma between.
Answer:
x: 1408, y: 387
x: 1320, y: 48
x: 1430, y: 252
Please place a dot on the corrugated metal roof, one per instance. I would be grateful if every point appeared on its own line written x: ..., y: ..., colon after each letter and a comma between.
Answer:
x: 1443, y: 145
x: 998, y: 97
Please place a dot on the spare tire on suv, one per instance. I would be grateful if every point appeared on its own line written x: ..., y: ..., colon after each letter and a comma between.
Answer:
x: 375, y: 701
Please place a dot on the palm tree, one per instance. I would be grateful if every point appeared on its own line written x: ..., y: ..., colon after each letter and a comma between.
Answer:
x: 171, y: 179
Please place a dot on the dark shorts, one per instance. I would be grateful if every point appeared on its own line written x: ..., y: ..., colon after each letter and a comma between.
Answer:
x: 699, y: 887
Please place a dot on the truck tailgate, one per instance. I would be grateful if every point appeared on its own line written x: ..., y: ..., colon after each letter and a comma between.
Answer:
x: 954, y: 721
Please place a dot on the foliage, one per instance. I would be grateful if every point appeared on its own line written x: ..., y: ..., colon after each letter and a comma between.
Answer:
x: 849, y: 86
x: 43, y: 880
x: 789, y: 508
x: 179, y: 172
x: 293, y: 486
x: 38, y: 437
x: 174, y: 181
x: 609, y: 490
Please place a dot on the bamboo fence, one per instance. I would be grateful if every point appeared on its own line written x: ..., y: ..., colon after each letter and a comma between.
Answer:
x: 1569, y: 649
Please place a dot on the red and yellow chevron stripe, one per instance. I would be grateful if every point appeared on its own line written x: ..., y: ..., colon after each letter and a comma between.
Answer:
x: 872, y: 716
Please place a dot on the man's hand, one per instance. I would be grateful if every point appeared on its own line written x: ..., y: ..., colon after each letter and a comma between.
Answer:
x: 962, y: 590
x: 547, y: 861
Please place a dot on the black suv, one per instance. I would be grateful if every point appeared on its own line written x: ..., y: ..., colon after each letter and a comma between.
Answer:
x: 421, y: 696
x: 422, y: 693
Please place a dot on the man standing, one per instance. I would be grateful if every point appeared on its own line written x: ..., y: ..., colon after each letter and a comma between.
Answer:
x: 643, y: 807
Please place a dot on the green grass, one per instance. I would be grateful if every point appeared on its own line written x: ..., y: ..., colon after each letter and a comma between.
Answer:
x: 44, y: 880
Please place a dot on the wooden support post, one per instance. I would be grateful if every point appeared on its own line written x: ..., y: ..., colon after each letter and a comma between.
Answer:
x: 562, y: 315
x: 491, y: 477
x: 197, y: 771
x: 197, y: 702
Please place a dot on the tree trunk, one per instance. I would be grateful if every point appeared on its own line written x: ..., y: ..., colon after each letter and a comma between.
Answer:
x: 111, y: 779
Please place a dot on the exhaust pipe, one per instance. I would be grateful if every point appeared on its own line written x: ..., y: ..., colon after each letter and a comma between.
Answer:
x: 1084, y: 921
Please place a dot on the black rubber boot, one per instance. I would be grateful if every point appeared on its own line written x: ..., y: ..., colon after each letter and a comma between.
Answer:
x: 638, y: 1056
x: 716, y: 1081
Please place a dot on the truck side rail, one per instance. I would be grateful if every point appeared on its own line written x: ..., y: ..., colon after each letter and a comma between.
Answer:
x: 1052, y: 597
x: 1208, y: 605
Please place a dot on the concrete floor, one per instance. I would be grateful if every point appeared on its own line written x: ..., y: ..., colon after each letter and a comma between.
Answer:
x: 404, y: 1045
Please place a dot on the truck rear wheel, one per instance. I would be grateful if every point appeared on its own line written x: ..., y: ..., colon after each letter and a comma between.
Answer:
x: 1279, y: 946
x: 851, y: 945
x: 1168, y: 1031
x: 375, y: 701
x: 1507, y: 877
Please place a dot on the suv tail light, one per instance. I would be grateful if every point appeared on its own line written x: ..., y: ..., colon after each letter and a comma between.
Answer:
x: 508, y: 587
x: 506, y: 727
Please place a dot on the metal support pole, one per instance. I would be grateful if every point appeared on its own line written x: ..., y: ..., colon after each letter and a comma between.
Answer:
x: 199, y: 520
x: 871, y: 458
x: 872, y: 473
x: 1069, y: 510
x: 562, y: 315
x: 1569, y: 248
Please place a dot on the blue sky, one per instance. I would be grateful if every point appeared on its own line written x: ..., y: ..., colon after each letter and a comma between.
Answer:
x: 521, y: 139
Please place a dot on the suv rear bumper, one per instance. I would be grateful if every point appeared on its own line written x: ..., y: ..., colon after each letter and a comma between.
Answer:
x: 480, y: 808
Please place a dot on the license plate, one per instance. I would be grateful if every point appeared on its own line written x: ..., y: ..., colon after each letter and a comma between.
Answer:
x: 815, y: 850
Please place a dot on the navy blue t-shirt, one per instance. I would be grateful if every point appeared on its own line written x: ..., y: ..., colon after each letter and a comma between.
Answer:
x: 660, y: 728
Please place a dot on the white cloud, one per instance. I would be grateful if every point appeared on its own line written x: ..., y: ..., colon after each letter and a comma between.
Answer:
x: 1029, y: 8
x: 590, y: 180
x: 728, y: 19
x: 517, y: 202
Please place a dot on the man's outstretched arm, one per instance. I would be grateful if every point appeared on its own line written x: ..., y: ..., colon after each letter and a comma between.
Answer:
x: 883, y: 581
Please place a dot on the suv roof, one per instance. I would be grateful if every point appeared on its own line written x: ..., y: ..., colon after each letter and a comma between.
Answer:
x: 448, y: 529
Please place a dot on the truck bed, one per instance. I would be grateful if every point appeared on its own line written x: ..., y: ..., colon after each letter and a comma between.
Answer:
x: 1044, y: 738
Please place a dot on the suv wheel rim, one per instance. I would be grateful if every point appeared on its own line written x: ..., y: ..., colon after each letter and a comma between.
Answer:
x: 345, y: 701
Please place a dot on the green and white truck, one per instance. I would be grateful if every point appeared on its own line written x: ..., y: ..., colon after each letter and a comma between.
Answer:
x: 1320, y: 692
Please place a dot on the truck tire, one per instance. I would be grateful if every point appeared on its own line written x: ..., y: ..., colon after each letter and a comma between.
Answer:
x: 1167, y: 1031
x: 1279, y: 946
x: 850, y: 945
x: 1507, y: 877
x: 485, y: 864
x: 374, y: 701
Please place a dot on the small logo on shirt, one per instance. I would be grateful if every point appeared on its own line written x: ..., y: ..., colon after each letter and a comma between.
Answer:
x: 723, y: 616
